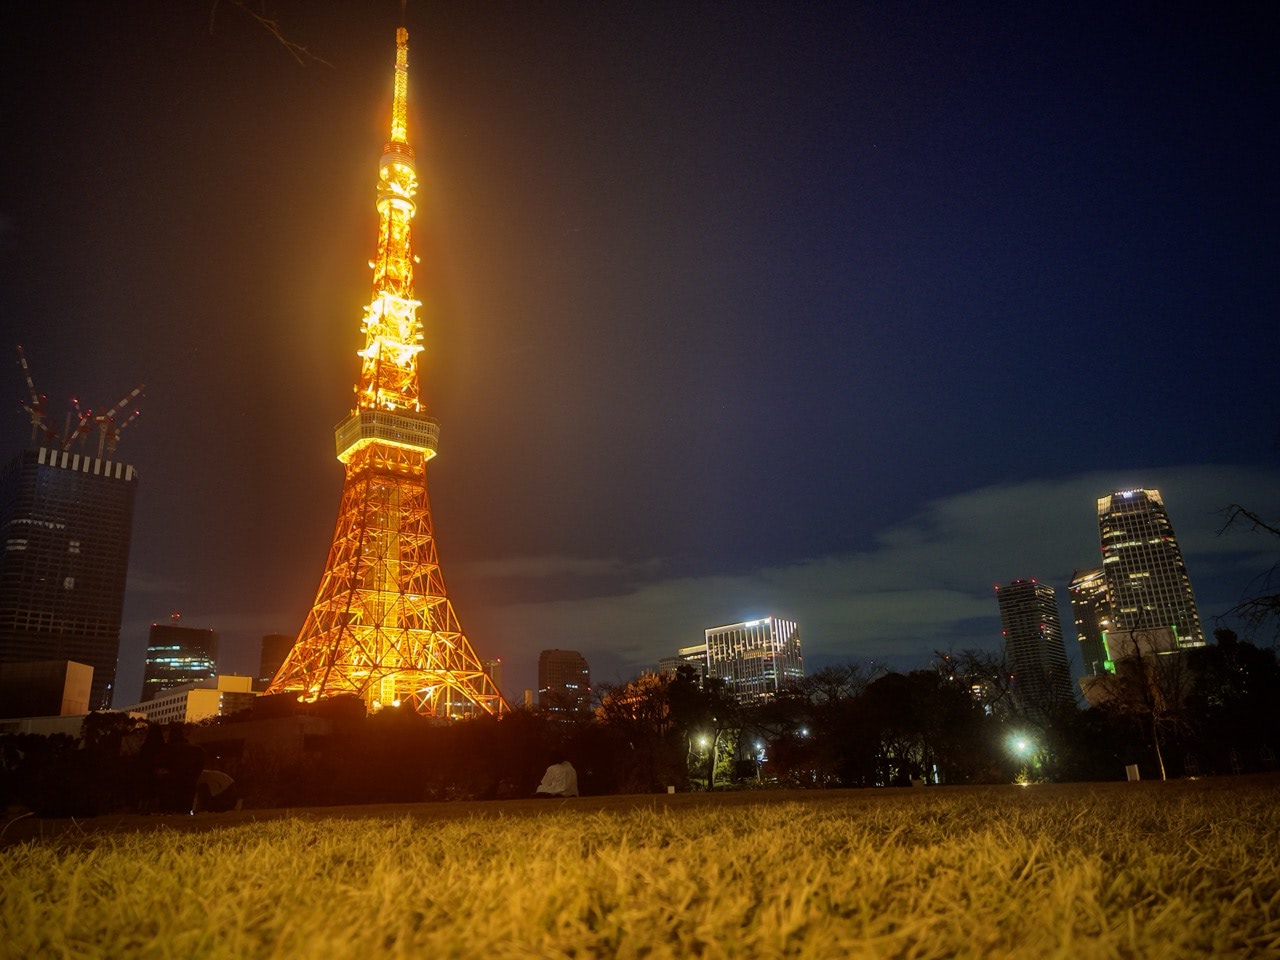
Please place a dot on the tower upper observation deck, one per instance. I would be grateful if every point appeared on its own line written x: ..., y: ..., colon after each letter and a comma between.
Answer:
x: 389, y: 407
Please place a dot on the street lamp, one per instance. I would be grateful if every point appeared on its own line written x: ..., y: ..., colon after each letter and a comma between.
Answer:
x: 1024, y: 748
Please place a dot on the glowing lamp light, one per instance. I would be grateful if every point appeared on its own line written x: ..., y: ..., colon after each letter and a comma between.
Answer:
x: 1021, y: 744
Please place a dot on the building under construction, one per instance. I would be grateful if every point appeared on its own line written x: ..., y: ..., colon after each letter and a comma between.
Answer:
x: 66, y: 516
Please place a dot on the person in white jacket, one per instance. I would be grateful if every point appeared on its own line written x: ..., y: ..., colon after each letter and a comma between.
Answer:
x: 560, y: 780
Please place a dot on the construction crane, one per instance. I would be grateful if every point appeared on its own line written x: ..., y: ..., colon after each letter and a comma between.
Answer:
x: 113, y: 435
x: 85, y: 422
x: 72, y: 434
x: 108, y: 432
x: 36, y: 407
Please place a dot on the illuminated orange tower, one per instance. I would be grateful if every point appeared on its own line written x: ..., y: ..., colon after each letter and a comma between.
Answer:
x: 382, y: 627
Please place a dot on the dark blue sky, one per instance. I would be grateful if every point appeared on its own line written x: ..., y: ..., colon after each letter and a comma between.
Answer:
x: 843, y: 312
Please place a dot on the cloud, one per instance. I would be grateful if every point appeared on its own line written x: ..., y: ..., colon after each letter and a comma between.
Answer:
x: 145, y: 582
x: 927, y: 583
x: 546, y: 567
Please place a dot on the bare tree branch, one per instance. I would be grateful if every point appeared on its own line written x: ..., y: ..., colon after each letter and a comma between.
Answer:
x: 1236, y: 515
x: 269, y: 23
x: 1261, y: 601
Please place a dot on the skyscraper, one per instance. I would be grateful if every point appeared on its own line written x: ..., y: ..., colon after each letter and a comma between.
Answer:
x: 1147, y: 583
x: 1034, y: 647
x: 177, y: 656
x: 564, y: 682
x: 755, y: 658
x: 66, y: 520
x: 1092, y: 615
x: 693, y: 656
x: 275, y: 647
x: 493, y: 667
x: 381, y: 627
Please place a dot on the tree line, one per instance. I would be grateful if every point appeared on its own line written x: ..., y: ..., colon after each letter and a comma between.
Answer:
x: 956, y: 721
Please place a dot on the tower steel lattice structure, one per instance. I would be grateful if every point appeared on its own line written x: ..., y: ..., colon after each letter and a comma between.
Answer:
x: 382, y: 627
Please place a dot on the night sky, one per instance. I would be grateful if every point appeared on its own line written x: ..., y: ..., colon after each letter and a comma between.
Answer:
x: 843, y: 313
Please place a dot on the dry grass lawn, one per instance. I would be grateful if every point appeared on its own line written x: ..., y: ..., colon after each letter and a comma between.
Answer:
x: 1101, y: 870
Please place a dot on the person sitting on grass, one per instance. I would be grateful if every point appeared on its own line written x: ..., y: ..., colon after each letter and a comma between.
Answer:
x: 560, y: 780
x: 215, y: 792
x: 177, y: 768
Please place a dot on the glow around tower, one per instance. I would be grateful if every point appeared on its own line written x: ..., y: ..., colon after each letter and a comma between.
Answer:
x: 382, y: 627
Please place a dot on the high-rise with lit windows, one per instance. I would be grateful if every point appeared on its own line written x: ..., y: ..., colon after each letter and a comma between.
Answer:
x: 65, y: 523
x: 693, y: 656
x: 755, y: 658
x: 564, y: 682
x: 1034, y: 647
x: 177, y: 656
x: 1092, y: 615
x: 275, y: 647
x: 1148, y: 588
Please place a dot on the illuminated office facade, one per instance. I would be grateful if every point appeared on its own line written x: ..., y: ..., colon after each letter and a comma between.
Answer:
x: 694, y: 657
x: 1034, y: 647
x: 1092, y: 615
x: 178, y: 656
x: 756, y: 658
x: 223, y: 696
x: 65, y: 524
x: 564, y: 682
x: 1147, y: 583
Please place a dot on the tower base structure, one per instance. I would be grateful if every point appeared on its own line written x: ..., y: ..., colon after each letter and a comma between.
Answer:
x: 382, y: 627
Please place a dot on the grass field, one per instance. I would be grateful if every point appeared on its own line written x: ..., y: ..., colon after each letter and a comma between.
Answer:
x: 1105, y: 870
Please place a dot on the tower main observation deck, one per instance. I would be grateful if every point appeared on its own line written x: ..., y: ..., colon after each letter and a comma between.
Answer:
x: 382, y: 627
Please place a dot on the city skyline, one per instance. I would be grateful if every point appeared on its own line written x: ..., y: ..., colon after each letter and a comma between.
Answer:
x: 726, y: 315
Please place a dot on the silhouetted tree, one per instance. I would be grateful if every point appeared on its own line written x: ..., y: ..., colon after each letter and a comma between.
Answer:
x: 638, y: 714
x: 989, y: 678
x: 1261, y: 605
x: 930, y: 727
x: 36, y: 772
x: 1234, y: 689
x: 709, y: 722
x: 1150, y: 687
x: 1095, y: 745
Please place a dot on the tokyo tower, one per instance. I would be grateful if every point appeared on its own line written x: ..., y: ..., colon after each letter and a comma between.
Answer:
x: 382, y: 627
